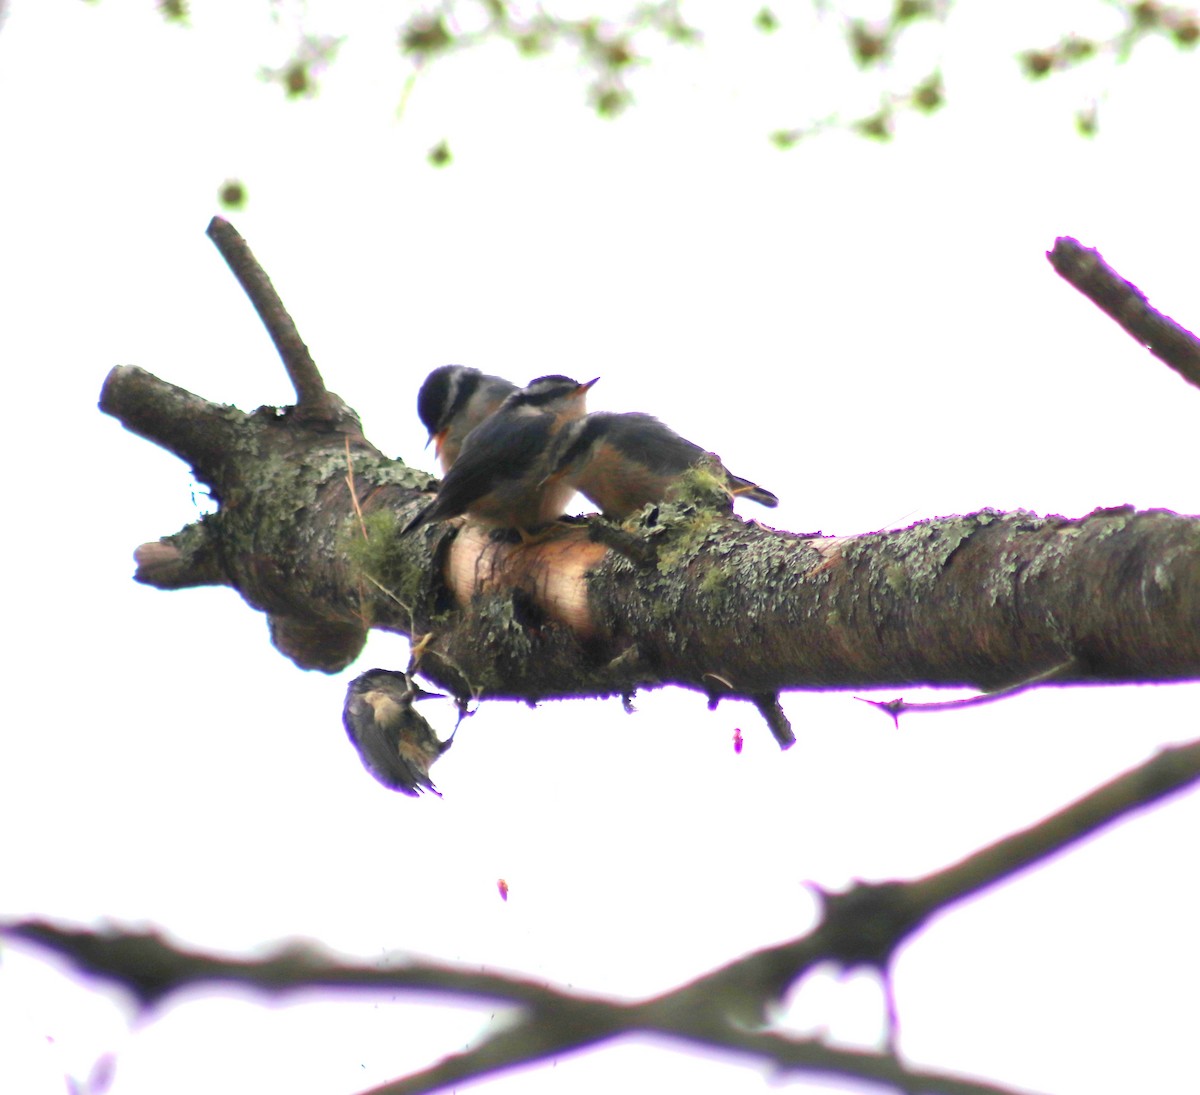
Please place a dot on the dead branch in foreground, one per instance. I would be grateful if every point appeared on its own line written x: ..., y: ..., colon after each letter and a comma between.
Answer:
x: 723, y: 1009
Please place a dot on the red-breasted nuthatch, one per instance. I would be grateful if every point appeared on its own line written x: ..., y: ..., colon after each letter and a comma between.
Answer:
x: 453, y: 400
x: 395, y: 743
x: 623, y: 461
x: 501, y: 476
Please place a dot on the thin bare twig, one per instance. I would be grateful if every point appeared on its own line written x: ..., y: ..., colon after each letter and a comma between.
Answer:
x: 362, y: 524
x: 313, y: 401
x: 777, y: 722
x: 899, y: 706
x: 1167, y: 340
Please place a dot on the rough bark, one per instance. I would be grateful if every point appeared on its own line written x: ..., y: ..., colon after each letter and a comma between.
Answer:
x: 308, y: 511
x: 305, y: 531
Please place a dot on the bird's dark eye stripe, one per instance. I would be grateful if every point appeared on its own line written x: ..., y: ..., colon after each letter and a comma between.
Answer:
x: 550, y: 393
x: 584, y: 438
x: 459, y: 395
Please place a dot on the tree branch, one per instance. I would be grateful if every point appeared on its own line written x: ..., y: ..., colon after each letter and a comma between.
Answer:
x: 306, y: 531
x: 985, y: 599
x: 313, y: 402
x: 862, y: 926
x: 1167, y: 340
x: 281, y: 488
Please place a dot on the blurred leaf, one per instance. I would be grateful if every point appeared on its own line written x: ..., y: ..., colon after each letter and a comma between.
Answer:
x: 232, y: 194
x: 765, y: 21
x: 1036, y: 63
x: 928, y: 95
x: 173, y: 11
x: 676, y: 30
x: 298, y: 76
x: 1073, y: 49
x: 907, y: 11
x: 867, y: 45
x: 609, y: 100
x: 296, y: 81
x: 878, y: 126
x: 439, y: 155
x: 1146, y: 14
x: 531, y: 44
x: 1087, y: 121
x: 1185, y: 30
x: 618, y: 54
x: 425, y: 36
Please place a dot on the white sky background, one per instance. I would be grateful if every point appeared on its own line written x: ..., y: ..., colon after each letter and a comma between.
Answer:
x: 872, y: 332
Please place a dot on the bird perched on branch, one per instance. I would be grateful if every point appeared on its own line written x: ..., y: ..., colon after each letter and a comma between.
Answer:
x: 453, y: 400
x: 623, y: 461
x: 500, y: 478
x: 395, y: 743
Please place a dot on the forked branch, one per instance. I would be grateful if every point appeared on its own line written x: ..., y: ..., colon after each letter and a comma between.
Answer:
x: 722, y: 1009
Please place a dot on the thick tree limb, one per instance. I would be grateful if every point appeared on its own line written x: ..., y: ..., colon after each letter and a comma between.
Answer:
x: 691, y: 598
x: 985, y: 599
x: 280, y: 483
x: 305, y: 531
x: 862, y: 926
x: 1167, y: 340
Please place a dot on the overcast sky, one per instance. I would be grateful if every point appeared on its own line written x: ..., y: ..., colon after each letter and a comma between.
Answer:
x: 872, y: 332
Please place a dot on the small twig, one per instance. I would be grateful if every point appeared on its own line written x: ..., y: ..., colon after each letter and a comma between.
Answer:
x: 777, y: 722
x: 362, y: 524
x: 899, y: 706
x: 1124, y: 302
x: 312, y: 398
x: 418, y: 645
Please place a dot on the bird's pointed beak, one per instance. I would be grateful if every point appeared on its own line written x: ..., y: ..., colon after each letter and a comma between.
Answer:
x: 416, y: 692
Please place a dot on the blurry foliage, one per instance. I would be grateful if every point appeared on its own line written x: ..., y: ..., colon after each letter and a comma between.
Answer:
x: 298, y: 75
x: 1179, y: 25
x: 174, y: 11
x: 765, y: 21
x: 1142, y: 19
x: 605, y: 49
x: 610, y: 48
x: 232, y: 194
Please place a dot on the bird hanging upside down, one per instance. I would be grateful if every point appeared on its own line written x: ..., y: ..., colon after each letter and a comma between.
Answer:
x: 395, y: 743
